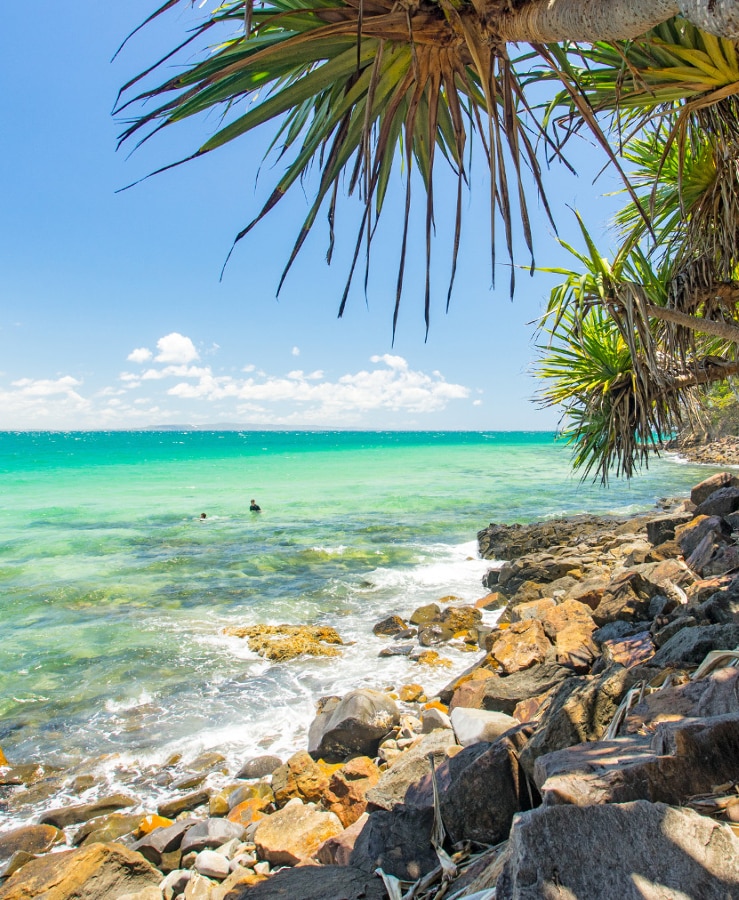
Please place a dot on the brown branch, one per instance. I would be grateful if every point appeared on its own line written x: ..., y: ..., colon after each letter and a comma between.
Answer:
x: 722, y: 330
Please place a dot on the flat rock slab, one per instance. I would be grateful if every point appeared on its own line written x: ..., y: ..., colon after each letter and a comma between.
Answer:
x: 628, y: 851
x: 90, y: 873
x: 315, y: 883
x: 681, y: 760
x: 33, y: 839
x: 73, y: 815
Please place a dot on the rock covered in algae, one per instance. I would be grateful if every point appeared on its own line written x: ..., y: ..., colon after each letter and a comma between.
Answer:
x: 284, y: 642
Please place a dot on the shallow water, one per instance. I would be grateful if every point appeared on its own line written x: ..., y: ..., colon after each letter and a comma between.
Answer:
x: 115, y: 594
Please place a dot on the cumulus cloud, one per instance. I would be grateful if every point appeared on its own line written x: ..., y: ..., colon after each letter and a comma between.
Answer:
x: 139, y: 355
x: 391, y: 386
x: 295, y: 351
x: 176, y: 348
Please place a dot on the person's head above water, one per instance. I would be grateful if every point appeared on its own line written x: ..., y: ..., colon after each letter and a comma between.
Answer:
x: 203, y: 516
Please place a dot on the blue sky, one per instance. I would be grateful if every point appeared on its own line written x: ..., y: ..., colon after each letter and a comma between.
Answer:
x: 113, y: 314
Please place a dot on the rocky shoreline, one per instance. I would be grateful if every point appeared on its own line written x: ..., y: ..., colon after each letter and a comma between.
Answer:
x: 591, y: 749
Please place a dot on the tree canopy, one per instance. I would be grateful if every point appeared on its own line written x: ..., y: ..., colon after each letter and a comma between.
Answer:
x: 357, y: 87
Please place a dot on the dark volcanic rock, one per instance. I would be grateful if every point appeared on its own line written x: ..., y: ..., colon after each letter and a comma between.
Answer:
x: 623, y: 851
x: 690, y: 646
x: 581, y: 710
x: 486, y: 789
x: 398, y: 842
x: 315, y: 883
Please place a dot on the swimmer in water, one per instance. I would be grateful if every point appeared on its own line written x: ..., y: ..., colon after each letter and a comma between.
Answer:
x: 254, y: 506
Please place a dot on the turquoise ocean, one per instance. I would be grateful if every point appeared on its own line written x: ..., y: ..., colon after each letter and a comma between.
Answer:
x: 114, y: 593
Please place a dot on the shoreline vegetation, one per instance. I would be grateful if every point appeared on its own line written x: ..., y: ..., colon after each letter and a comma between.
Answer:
x: 602, y: 705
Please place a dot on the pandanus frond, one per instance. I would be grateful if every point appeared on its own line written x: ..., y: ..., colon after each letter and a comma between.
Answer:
x: 346, y: 83
x: 611, y: 361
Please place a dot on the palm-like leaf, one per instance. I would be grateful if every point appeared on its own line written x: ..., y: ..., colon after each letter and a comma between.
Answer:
x: 346, y: 82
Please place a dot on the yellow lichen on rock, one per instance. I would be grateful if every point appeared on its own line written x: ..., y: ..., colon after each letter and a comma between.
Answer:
x: 284, y: 642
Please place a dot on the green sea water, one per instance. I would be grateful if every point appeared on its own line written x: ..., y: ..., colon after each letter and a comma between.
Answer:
x: 115, y: 594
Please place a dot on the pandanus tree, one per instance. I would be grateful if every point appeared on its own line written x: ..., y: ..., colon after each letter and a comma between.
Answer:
x: 351, y: 87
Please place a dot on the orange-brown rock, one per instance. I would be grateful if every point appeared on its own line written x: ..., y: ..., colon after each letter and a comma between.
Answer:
x: 150, y: 822
x: 248, y: 811
x: 576, y: 648
x: 90, y: 873
x: 527, y: 710
x: 35, y: 839
x: 461, y: 618
x: 410, y: 693
x: 629, y: 651
x: 565, y: 615
x: 284, y: 642
x: 432, y: 658
x: 346, y: 791
x: 337, y: 850
x: 299, y: 777
x: 294, y: 833
x: 532, y: 609
x: 3, y: 758
x: 521, y: 646
x: 493, y: 600
x: 240, y: 877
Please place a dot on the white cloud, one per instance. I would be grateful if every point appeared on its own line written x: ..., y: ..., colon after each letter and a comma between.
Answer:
x: 139, y: 355
x: 46, y: 387
x: 176, y: 348
x: 393, y: 387
x: 295, y: 351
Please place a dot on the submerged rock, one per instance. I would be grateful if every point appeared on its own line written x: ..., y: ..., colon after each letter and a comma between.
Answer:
x: 284, y: 642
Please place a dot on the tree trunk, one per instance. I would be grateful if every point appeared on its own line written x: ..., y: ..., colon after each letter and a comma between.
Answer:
x: 547, y: 21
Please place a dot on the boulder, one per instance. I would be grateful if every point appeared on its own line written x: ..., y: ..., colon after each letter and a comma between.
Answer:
x: 156, y: 844
x: 255, y: 790
x: 34, y: 839
x: 461, y: 618
x: 662, y: 528
x: 532, y: 609
x: 355, y: 726
x: 294, y: 833
x: 73, y: 815
x: 398, y: 841
x: 707, y: 487
x: 425, y: 615
x: 299, y: 777
x: 248, y: 811
x: 521, y: 646
x: 337, y: 850
x: 285, y: 642
x: 690, y: 535
x: 408, y: 780
x: 170, y: 809
x: 491, y: 601
x: 389, y: 627
x: 347, y: 789
x: 474, y: 725
x: 690, y: 646
x: 566, y: 615
x: 433, y: 719
x: 212, y: 864
x: 575, y: 648
x: 259, y: 766
x: 629, y: 651
x: 581, y: 710
x: 211, y: 833
x: 90, y: 873
x: 434, y: 633
x: 503, y: 693
x: 681, y: 760
x: 715, y: 695
x: 719, y: 503
x: 653, y: 851
x: 104, y: 829
x: 486, y: 788
x: 315, y: 883
x: 626, y: 597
